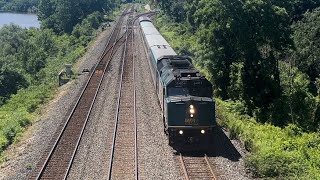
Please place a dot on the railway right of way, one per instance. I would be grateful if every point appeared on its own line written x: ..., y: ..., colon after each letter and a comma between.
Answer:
x: 59, y: 159
x: 123, y: 163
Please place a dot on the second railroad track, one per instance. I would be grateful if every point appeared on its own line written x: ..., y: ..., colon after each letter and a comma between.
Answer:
x: 123, y: 162
x: 59, y: 159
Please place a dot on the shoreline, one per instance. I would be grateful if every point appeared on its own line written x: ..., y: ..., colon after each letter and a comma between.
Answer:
x: 23, y: 20
x: 17, y: 12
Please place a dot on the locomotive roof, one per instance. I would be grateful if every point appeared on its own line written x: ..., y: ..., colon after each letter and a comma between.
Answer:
x: 173, y: 67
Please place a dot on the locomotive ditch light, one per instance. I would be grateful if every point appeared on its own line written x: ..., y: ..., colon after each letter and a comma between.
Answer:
x: 181, y: 132
x: 203, y: 131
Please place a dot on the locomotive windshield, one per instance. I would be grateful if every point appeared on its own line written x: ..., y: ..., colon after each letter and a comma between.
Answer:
x: 190, y: 87
x: 182, y: 91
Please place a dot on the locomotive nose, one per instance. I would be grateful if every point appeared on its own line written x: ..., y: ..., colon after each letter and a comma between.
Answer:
x: 192, y: 111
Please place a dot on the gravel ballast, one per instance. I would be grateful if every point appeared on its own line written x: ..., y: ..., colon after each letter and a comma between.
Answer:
x: 92, y: 158
x: 156, y: 160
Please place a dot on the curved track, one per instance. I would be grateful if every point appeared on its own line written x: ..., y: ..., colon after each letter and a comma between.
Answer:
x: 60, y: 158
x: 196, y: 167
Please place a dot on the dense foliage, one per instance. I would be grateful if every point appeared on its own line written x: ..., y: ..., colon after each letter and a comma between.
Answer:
x: 241, y: 44
x: 30, y: 60
x: 307, y: 42
x: 63, y: 15
x: 263, y: 55
x: 287, y: 153
x: 29, y: 6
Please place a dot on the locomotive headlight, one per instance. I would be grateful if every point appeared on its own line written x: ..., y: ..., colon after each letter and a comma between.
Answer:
x: 203, y: 131
x: 181, y: 132
x: 192, y: 111
x: 191, y: 115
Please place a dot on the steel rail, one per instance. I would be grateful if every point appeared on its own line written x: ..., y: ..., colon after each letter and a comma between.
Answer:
x: 186, y: 175
x: 129, y: 25
x: 123, y: 35
x: 91, y: 106
x: 117, y: 114
x: 44, y: 166
x: 209, y: 165
x: 135, y: 115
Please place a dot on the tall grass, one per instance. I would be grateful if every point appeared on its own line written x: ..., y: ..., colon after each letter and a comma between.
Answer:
x: 280, y: 153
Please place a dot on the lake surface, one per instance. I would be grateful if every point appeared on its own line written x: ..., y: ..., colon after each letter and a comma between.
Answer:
x: 23, y: 20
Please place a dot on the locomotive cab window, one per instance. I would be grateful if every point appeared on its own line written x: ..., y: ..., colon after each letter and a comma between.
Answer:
x: 178, y: 91
x: 183, y: 91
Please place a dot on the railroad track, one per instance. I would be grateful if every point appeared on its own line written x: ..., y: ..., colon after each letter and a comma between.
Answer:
x: 60, y: 158
x: 123, y: 162
x: 196, y: 167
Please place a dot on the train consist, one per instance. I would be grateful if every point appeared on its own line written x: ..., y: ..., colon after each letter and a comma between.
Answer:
x: 184, y: 93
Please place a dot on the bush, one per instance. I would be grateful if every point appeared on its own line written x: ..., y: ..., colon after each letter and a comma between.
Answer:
x: 282, y: 153
x: 3, y: 142
x: 30, y: 90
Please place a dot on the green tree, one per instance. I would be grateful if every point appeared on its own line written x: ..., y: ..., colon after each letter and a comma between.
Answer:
x: 67, y: 15
x: 19, y: 5
x: 11, y: 39
x: 252, y: 32
x: 63, y: 15
x: 176, y: 9
x: 297, y: 105
x: 299, y: 7
x: 10, y: 82
x: 307, y: 43
x: 46, y: 13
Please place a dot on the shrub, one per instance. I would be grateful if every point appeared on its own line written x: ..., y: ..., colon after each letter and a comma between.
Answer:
x: 282, y: 153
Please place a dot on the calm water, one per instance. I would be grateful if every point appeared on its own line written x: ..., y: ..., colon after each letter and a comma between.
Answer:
x: 23, y: 20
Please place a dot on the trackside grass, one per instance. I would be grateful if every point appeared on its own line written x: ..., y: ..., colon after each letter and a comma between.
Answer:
x: 279, y: 153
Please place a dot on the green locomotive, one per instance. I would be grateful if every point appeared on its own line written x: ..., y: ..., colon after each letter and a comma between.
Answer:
x: 184, y: 93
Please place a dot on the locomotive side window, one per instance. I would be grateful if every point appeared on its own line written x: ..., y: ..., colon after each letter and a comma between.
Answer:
x: 160, y: 65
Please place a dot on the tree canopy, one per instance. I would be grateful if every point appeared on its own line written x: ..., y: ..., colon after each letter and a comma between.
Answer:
x: 19, y: 5
x: 63, y: 15
x: 242, y: 45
